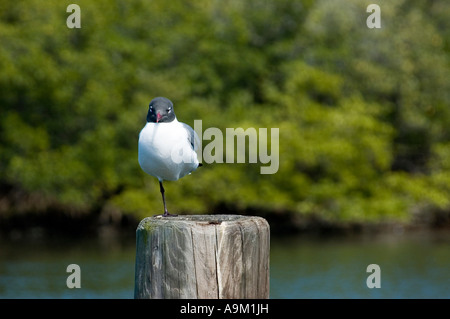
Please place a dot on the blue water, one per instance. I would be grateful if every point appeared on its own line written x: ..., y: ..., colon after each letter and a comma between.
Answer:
x: 412, y: 266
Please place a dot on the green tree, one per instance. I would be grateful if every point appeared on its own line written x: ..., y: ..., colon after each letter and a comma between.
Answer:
x: 363, y: 113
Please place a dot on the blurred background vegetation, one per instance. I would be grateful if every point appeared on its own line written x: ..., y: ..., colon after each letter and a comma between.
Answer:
x: 364, y: 114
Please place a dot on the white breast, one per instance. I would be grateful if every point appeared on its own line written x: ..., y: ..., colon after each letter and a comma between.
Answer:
x: 165, y: 151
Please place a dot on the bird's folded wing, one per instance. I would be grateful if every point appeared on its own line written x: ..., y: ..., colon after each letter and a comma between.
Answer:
x: 192, y: 137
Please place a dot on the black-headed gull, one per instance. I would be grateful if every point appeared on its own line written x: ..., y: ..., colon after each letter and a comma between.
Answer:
x: 167, y: 148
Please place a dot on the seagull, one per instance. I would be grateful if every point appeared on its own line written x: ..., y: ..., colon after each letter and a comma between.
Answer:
x: 167, y: 148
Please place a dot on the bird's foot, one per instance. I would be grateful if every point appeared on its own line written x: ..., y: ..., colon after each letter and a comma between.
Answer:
x: 167, y: 214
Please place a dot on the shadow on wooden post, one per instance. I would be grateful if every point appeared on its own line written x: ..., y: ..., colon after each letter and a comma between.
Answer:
x: 202, y: 256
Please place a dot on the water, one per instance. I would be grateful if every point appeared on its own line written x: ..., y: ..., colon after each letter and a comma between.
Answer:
x: 412, y: 266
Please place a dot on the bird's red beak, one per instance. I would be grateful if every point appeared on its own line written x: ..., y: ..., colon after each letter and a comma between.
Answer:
x: 158, y: 117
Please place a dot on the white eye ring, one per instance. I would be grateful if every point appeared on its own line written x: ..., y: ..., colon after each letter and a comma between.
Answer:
x: 169, y: 110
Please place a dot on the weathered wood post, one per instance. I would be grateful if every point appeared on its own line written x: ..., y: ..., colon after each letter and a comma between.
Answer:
x: 202, y: 256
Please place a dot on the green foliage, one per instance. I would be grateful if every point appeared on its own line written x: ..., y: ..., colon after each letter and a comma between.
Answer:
x: 363, y: 114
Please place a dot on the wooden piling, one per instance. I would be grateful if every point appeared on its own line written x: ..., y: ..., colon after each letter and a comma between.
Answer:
x: 202, y: 256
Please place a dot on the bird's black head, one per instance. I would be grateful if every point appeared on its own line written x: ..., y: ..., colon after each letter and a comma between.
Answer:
x: 160, y: 110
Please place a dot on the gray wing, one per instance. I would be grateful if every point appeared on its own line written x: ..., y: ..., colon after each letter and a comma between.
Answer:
x: 192, y: 137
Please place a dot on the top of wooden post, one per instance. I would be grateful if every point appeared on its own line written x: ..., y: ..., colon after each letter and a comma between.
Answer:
x: 196, y: 219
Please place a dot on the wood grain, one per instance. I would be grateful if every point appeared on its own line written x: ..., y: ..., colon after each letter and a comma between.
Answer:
x: 202, y: 256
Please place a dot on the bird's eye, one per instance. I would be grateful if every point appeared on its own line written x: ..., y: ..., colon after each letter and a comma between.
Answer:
x: 169, y: 110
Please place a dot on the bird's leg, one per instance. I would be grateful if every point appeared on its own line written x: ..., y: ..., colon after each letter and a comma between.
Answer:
x: 166, y: 213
